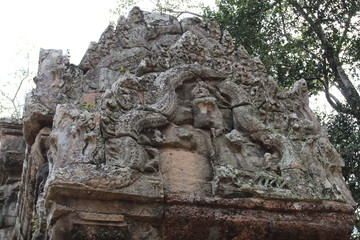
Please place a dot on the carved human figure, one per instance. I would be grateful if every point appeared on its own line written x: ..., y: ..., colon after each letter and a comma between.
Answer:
x: 121, y: 98
x: 206, y: 111
x: 250, y: 156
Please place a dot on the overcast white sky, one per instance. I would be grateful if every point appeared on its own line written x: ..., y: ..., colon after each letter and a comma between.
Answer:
x: 28, y: 25
x: 65, y: 24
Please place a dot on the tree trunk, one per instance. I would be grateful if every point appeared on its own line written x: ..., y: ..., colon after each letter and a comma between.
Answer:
x: 343, y: 82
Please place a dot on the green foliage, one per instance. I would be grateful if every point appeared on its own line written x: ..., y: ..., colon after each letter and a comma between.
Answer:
x: 316, y: 40
x: 258, y: 26
x: 35, y: 223
x: 122, y: 69
x: 88, y: 106
x: 344, y: 134
x: 356, y: 234
x: 38, y: 223
x: 313, y: 40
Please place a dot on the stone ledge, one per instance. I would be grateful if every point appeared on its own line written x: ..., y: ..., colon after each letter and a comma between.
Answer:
x: 262, y: 204
x: 210, y: 221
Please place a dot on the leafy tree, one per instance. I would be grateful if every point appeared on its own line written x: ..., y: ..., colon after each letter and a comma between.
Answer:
x: 317, y: 40
x: 311, y: 39
x: 344, y: 134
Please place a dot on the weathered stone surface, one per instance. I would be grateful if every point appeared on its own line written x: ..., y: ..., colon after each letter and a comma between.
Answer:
x: 167, y: 131
x: 189, y: 177
x: 12, y: 154
x: 195, y: 218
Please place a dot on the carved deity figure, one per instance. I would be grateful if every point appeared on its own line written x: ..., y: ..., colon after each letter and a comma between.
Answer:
x: 206, y: 111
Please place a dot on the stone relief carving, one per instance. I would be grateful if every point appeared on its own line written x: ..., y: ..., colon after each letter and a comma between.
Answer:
x: 165, y: 87
x: 12, y: 153
x: 202, y: 80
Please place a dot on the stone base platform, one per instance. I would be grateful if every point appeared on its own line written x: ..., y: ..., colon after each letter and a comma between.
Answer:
x: 199, y: 218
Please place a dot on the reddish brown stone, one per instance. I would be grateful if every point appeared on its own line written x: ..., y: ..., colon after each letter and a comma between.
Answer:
x: 271, y: 220
x: 90, y: 98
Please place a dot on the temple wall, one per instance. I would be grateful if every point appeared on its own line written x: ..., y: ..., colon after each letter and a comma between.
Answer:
x: 166, y: 130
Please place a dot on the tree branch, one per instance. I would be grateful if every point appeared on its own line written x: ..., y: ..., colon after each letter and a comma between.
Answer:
x: 13, y: 99
x: 180, y: 12
x: 13, y: 103
x: 346, y: 87
x: 23, y: 79
x: 331, y: 98
x: 291, y: 40
x: 346, y: 29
